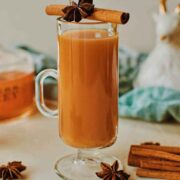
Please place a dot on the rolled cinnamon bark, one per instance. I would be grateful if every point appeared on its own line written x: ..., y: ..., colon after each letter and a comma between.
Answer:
x: 170, y: 149
x: 155, y: 154
x: 137, y: 160
x: 161, y: 166
x: 99, y: 14
x: 158, y: 174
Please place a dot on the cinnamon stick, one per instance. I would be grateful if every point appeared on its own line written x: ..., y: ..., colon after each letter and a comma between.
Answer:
x: 99, y: 14
x: 161, y: 166
x: 136, y: 161
x: 170, y: 149
x: 158, y: 174
x: 154, y: 154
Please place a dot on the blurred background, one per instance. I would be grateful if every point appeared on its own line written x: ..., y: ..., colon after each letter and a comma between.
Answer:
x: 24, y: 22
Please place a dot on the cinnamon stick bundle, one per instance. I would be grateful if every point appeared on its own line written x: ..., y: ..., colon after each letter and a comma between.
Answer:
x: 135, y: 160
x: 99, y: 14
x: 155, y: 161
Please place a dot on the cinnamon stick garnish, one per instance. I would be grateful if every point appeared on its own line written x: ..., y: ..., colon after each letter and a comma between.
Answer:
x: 154, y: 154
x: 158, y: 166
x: 158, y: 174
x: 99, y: 14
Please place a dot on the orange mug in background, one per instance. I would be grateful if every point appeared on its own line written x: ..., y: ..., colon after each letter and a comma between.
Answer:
x: 16, y: 84
x: 87, y: 96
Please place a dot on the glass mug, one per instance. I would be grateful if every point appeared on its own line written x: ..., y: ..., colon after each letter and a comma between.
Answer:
x: 16, y: 83
x: 88, y: 94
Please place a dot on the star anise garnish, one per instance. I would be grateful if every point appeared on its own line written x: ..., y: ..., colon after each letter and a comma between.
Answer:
x: 12, y: 170
x: 75, y: 12
x: 111, y: 172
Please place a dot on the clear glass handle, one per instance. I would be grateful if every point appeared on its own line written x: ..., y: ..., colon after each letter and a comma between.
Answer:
x: 39, y: 87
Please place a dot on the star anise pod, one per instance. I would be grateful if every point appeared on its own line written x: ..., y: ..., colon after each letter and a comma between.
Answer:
x: 111, y: 172
x: 12, y: 170
x: 75, y: 12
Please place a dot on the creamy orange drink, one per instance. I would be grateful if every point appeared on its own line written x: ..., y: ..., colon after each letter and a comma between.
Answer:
x: 87, y: 76
x: 88, y: 87
x: 16, y: 93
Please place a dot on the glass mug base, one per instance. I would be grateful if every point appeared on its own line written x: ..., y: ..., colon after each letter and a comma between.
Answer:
x: 83, y: 165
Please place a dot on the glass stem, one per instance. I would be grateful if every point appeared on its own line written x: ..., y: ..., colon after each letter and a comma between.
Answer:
x: 79, y: 155
x: 85, y: 154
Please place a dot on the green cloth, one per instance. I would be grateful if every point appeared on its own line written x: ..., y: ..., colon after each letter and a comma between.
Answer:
x: 151, y: 104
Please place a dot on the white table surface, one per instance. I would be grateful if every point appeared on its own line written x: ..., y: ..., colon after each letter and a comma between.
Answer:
x: 36, y: 143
